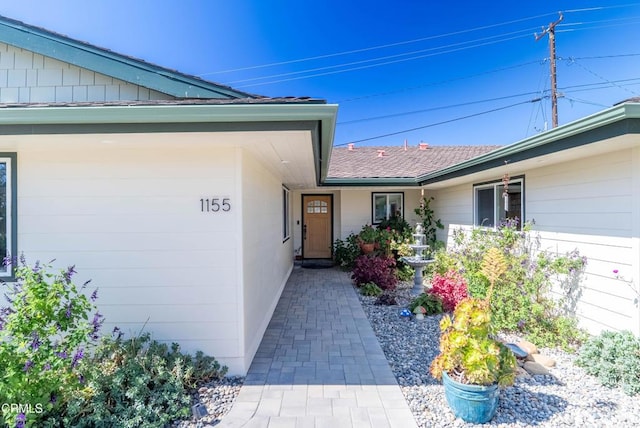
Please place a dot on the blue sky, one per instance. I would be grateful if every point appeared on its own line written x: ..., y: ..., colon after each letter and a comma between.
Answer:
x: 391, y: 66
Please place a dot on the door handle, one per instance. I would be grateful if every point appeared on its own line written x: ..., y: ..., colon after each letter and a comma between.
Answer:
x: 304, y: 232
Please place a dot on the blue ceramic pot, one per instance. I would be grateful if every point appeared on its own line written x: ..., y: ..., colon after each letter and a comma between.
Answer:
x: 471, y: 403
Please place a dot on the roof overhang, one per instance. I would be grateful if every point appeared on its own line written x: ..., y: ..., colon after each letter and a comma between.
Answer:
x: 316, y: 120
x: 587, y: 136
x: 371, y: 182
x: 623, y: 119
x: 103, y: 61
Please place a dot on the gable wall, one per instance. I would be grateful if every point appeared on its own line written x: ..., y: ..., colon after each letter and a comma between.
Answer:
x: 27, y: 77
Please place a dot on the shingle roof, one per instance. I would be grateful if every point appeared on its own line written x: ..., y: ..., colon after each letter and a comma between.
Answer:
x: 183, y: 101
x: 396, y: 162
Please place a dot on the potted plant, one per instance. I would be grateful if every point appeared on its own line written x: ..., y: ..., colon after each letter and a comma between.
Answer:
x: 472, y: 364
x: 367, y: 238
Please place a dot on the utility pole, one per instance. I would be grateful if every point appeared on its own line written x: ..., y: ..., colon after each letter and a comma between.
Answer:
x: 551, y: 31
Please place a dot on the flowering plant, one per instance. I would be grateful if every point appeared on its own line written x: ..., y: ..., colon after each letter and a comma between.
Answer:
x: 450, y: 287
x: 44, y: 332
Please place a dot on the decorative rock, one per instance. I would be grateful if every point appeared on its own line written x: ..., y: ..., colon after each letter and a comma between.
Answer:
x: 529, y: 347
x: 522, y: 372
x: 517, y: 351
x: 542, y: 359
x: 535, y: 368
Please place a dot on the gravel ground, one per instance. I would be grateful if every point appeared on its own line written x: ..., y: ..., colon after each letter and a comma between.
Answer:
x: 566, y: 398
x: 217, y: 397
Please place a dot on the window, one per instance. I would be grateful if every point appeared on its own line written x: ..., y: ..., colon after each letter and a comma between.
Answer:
x: 492, y: 205
x: 286, y: 229
x: 386, y: 205
x: 8, y: 246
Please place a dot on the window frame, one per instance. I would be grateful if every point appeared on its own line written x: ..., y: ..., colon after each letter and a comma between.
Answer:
x: 11, y: 215
x: 495, y: 184
x: 374, y: 220
x: 286, y: 210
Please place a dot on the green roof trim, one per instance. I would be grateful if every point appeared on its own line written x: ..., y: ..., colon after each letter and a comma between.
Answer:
x: 319, y: 119
x: 621, y: 119
x: 618, y: 120
x: 371, y: 181
x: 103, y: 61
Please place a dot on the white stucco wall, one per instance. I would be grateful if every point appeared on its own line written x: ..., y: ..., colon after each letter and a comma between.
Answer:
x: 129, y: 217
x: 590, y: 204
x: 266, y: 261
x: 27, y: 77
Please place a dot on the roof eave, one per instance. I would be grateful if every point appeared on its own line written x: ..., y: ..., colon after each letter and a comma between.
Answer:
x: 322, y: 114
x: 494, y: 158
x: 371, y: 181
x: 172, y: 114
x: 110, y: 63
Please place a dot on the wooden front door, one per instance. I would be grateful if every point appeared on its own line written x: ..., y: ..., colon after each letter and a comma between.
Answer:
x: 316, y: 226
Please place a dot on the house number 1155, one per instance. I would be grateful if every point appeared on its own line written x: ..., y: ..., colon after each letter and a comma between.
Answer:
x: 215, y: 205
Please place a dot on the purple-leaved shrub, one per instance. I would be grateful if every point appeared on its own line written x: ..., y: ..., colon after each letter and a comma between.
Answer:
x: 377, y: 269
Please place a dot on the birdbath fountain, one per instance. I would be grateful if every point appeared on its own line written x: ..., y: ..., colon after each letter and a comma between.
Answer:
x: 418, y: 260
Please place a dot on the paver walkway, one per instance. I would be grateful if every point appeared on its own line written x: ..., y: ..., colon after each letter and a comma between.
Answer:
x: 319, y: 363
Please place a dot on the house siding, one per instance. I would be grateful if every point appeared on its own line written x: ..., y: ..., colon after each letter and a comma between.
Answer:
x: 129, y: 219
x: 267, y: 261
x: 28, y: 77
x: 588, y: 204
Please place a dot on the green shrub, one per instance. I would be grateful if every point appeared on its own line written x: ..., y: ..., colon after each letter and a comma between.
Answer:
x: 138, y: 382
x: 429, y: 223
x: 44, y: 334
x: 614, y: 358
x: 433, y: 304
x: 404, y: 272
x: 370, y: 289
x: 345, y: 252
x: 398, y: 225
x: 522, y: 302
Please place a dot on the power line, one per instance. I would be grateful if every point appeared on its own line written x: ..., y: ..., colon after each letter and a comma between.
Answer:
x: 590, y: 9
x: 388, y: 116
x: 364, y: 61
x: 600, y: 77
x: 384, y: 46
x: 572, y: 99
x: 381, y: 64
x: 438, y: 123
x: 534, y: 100
x: 440, y: 82
x: 567, y: 24
x: 585, y: 87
